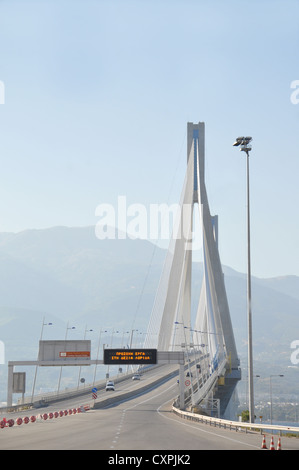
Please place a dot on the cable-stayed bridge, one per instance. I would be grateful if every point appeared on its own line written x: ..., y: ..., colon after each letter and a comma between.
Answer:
x: 209, y: 342
x: 202, y: 342
x: 205, y: 339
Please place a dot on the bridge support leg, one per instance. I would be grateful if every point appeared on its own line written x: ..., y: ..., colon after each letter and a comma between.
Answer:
x: 10, y: 384
x: 182, y: 387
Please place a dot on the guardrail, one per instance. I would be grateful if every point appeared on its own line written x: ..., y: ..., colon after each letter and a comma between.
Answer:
x: 237, y: 425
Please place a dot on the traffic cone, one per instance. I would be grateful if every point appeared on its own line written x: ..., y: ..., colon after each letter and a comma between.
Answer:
x: 279, y: 444
x: 264, y: 443
x: 272, y: 444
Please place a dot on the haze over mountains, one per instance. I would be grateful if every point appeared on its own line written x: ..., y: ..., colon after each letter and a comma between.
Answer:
x: 68, y: 275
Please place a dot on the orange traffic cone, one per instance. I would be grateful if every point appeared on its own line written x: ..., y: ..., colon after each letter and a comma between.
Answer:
x: 272, y: 444
x: 279, y: 444
x: 264, y: 443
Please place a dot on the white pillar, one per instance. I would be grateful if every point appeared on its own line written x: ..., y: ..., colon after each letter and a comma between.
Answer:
x: 10, y: 384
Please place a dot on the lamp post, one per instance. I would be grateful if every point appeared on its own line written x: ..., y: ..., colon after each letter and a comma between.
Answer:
x: 36, y: 367
x: 244, y: 142
x: 108, y: 368
x: 85, y: 331
x: 187, y: 353
x: 66, y: 332
x: 95, y: 366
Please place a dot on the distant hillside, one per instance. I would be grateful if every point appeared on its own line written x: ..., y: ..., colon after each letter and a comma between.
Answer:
x: 67, y: 274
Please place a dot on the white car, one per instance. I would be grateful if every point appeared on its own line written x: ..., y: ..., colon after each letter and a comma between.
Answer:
x: 136, y: 377
x: 110, y: 386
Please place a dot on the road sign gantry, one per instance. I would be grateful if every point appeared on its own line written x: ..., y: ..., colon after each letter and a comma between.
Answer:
x: 140, y: 356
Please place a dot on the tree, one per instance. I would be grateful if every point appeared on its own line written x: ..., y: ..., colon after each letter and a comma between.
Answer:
x: 245, y: 416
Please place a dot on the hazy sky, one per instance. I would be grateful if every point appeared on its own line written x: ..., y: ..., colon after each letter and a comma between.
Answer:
x: 98, y: 94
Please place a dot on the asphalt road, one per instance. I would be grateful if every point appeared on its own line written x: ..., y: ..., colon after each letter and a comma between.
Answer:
x: 142, y: 423
x: 121, y: 386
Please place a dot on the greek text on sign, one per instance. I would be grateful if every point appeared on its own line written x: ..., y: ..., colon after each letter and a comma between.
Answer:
x: 74, y: 354
x: 130, y: 356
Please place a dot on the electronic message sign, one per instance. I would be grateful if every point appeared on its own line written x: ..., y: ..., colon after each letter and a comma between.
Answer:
x: 130, y: 356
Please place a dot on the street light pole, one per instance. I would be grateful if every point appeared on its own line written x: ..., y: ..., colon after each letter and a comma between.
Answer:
x: 36, y: 367
x: 85, y: 331
x: 66, y: 331
x: 244, y: 143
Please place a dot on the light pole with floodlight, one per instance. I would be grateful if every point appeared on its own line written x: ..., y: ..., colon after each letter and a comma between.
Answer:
x: 244, y: 142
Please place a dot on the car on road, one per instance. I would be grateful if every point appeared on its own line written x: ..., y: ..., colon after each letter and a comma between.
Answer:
x: 110, y: 386
x: 136, y: 377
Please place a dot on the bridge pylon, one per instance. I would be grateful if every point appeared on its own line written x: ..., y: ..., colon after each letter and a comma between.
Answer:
x: 208, y: 340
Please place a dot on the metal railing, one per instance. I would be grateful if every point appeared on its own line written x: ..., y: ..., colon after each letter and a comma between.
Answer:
x: 237, y: 425
x: 203, y: 391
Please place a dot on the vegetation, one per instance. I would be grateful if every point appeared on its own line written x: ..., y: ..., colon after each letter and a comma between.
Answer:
x: 244, y: 416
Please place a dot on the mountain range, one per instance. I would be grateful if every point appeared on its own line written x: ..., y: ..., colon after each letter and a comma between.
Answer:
x: 66, y: 276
